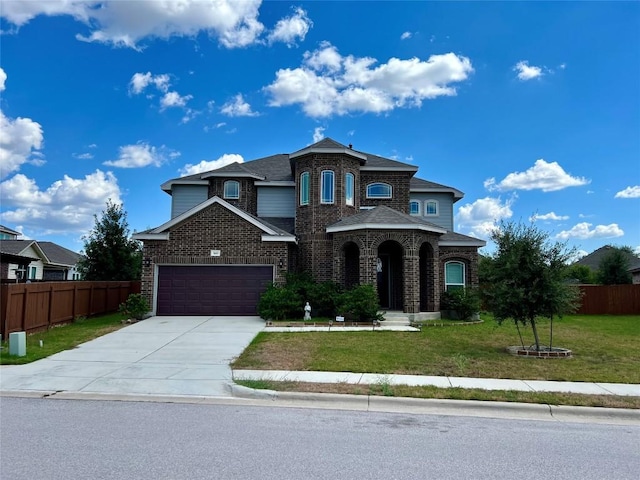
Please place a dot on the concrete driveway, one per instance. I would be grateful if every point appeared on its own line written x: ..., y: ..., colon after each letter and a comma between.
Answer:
x: 158, y: 356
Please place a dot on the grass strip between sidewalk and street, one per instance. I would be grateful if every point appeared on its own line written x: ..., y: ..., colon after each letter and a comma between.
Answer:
x: 63, y: 337
x: 385, y: 389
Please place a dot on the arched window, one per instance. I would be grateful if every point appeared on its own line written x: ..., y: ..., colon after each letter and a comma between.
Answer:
x: 431, y: 208
x: 326, y: 186
x: 304, y: 188
x: 379, y: 190
x: 349, y: 181
x: 232, y: 189
x: 453, y: 275
x: 414, y: 207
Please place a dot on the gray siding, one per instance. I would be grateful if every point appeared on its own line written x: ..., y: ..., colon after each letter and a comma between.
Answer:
x: 184, y: 197
x: 444, y: 218
x: 277, y: 202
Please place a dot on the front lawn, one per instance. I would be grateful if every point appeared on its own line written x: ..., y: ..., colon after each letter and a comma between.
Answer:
x: 62, y: 338
x: 605, y: 349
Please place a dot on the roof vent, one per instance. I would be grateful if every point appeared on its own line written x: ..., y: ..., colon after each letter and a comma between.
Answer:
x: 351, y: 146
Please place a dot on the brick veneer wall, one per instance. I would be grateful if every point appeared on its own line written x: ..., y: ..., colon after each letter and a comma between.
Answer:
x: 466, y: 255
x: 248, y: 200
x: 315, y: 245
x: 214, y: 228
x: 399, y: 182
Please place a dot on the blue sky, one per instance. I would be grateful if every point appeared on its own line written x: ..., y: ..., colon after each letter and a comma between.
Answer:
x: 532, y: 109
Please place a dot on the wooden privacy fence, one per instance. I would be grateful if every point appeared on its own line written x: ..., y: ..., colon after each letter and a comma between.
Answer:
x: 610, y: 300
x: 37, y: 306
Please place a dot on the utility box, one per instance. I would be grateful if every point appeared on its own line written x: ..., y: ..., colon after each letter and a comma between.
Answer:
x: 18, y: 344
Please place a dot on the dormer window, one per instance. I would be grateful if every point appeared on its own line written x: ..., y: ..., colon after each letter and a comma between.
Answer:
x: 431, y: 208
x: 304, y: 188
x: 349, y: 181
x: 414, y: 207
x: 231, y: 190
x: 326, y: 186
x: 379, y: 190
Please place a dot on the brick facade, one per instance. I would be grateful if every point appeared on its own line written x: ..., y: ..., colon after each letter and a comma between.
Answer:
x: 248, y: 200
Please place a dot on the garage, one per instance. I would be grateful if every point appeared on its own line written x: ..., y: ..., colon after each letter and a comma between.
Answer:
x: 211, y: 289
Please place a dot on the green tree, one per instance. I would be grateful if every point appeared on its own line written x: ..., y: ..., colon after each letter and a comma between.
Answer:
x: 614, y: 267
x: 580, y: 273
x: 109, y: 252
x: 526, y: 277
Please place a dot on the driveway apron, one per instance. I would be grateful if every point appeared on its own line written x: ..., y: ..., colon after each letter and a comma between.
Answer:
x: 158, y: 356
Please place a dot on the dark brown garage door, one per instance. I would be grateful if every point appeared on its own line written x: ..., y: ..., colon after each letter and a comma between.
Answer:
x: 211, y: 290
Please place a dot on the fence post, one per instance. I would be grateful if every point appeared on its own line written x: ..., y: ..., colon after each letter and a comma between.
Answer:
x: 50, y: 306
x: 23, y: 325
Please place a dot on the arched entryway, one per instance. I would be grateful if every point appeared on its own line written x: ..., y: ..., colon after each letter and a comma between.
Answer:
x: 427, y: 280
x: 390, y: 275
x: 351, y: 264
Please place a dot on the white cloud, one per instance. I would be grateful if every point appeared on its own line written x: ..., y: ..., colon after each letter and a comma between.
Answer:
x: 20, y: 140
x: 83, y: 156
x: 238, y: 108
x: 140, y: 155
x: 126, y: 24
x: 327, y: 83
x: 637, y: 250
x: 629, y: 192
x: 68, y: 205
x: 544, y: 176
x: 479, y: 218
x: 207, y: 165
x: 140, y: 81
x: 405, y: 35
x: 290, y: 29
x: 583, y: 231
x: 318, y: 134
x: 526, y: 71
x: 548, y: 216
x: 173, y: 99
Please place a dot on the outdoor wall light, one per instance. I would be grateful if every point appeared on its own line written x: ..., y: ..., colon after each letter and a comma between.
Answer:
x: 280, y: 263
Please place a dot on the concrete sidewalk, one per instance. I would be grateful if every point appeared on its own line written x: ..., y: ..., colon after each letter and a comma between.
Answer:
x: 589, y: 388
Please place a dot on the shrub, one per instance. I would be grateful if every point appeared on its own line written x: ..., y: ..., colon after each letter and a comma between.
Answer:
x: 280, y: 303
x: 136, y: 306
x: 463, y: 302
x: 361, y: 303
x: 323, y: 298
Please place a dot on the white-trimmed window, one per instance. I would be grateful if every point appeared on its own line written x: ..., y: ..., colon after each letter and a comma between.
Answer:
x: 304, y: 188
x: 414, y: 207
x: 379, y: 190
x: 33, y: 272
x: 232, y: 189
x: 349, y: 182
x: 453, y: 275
x: 326, y: 186
x: 431, y: 208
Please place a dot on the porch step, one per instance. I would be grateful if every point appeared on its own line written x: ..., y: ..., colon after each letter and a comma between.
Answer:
x: 401, y: 318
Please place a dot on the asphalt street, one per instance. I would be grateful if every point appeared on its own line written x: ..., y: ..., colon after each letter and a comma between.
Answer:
x: 47, y: 438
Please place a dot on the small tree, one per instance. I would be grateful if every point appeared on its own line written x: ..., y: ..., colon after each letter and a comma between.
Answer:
x: 526, y: 277
x: 580, y: 273
x: 614, y: 267
x: 109, y: 252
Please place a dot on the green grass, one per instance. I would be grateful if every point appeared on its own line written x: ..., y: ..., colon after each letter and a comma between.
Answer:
x: 62, y: 338
x: 605, y: 349
x: 384, y: 389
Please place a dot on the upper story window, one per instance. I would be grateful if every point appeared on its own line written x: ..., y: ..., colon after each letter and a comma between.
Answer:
x: 379, y: 190
x: 304, y: 188
x: 453, y: 275
x: 414, y: 207
x: 431, y: 208
x: 232, y: 189
x: 349, y: 181
x: 326, y: 186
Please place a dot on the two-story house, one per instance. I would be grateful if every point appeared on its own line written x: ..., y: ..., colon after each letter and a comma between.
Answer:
x: 335, y: 212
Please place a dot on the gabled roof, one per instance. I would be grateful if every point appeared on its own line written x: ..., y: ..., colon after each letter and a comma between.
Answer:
x: 383, y: 218
x: 419, y: 185
x: 8, y: 230
x: 59, y: 255
x: 271, y: 232
x: 234, y: 169
x: 16, y: 247
x: 328, y: 145
x: 594, y: 258
x: 453, y: 239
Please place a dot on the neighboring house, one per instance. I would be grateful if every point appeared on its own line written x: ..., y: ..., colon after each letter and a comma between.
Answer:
x: 47, y: 261
x: 594, y: 259
x: 329, y: 210
x: 7, y: 233
x: 635, y: 272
